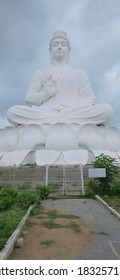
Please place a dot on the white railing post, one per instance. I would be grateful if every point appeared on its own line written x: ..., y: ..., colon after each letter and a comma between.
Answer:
x: 14, y: 167
x: 82, y: 179
x: 64, y: 180
x: 46, y: 175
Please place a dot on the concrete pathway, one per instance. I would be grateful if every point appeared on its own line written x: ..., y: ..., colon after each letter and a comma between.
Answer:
x: 106, y: 243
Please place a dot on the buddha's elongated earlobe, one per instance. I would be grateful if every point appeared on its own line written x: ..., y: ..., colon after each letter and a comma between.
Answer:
x: 68, y: 57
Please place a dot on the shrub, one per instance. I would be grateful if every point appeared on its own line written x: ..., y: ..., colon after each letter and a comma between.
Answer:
x: 13, y: 204
x: 26, y: 198
x: 115, y: 189
x: 8, y: 196
x: 106, y: 185
x: 23, y: 198
x: 8, y: 222
x: 109, y: 164
x: 42, y: 191
x: 93, y: 188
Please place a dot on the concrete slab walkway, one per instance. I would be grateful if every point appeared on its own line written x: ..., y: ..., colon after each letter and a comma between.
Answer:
x: 106, y: 243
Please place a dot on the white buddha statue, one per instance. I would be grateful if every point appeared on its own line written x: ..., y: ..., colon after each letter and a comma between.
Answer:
x: 63, y: 124
x: 60, y: 93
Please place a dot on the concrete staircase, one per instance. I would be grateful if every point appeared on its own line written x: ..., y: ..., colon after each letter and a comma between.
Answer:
x: 65, y: 180
x: 24, y: 175
x: 68, y: 179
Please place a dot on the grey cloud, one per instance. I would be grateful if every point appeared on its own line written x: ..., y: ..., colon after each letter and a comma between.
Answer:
x: 100, y: 12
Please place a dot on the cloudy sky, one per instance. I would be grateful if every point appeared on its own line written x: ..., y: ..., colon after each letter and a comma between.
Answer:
x: 93, y: 28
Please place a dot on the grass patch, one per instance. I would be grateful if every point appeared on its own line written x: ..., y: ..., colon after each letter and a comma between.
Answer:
x: 9, y: 220
x: 113, y: 201
x: 37, y: 209
x: 48, y: 243
x: 51, y: 224
x: 2, y: 243
x: 41, y: 217
x: 74, y: 227
x: 13, y: 205
x: 55, y: 214
x: 103, y: 233
x: 30, y: 224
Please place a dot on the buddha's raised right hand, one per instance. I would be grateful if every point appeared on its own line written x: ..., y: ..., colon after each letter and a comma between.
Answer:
x: 49, y: 86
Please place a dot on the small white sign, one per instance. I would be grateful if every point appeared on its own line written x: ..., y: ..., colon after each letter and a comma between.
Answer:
x: 97, y: 172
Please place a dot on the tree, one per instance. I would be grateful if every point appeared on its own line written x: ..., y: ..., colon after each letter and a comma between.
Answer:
x: 110, y: 164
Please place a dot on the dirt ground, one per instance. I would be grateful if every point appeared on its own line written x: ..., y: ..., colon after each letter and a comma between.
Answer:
x: 53, y: 235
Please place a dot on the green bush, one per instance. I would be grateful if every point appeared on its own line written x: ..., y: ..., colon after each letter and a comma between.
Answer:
x: 115, y: 189
x: 42, y: 191
x: 2, y: 243
x: 8, y: 197
x: 9, y: 220
x: 22, y: 198
x: 104, y: 185
x: 110, y: 164
x: 93, y: 187
x: 25, y: 199
x: 37, y: 209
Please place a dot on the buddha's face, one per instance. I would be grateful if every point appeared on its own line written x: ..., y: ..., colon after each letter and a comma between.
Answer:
x: 59, y: 49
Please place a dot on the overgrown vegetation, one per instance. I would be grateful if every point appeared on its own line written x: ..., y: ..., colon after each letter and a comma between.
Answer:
x: 113, y: 201
x: 13, y: 205
x: 10, y: 197
x: 42, y: 192
x: 107, y: 185
x: 8, y: 222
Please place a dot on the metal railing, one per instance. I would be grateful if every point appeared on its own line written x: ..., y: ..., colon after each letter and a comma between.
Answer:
x: 69, y: 179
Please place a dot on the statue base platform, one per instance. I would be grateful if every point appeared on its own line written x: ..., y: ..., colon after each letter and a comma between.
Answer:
x: 57, y: 144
